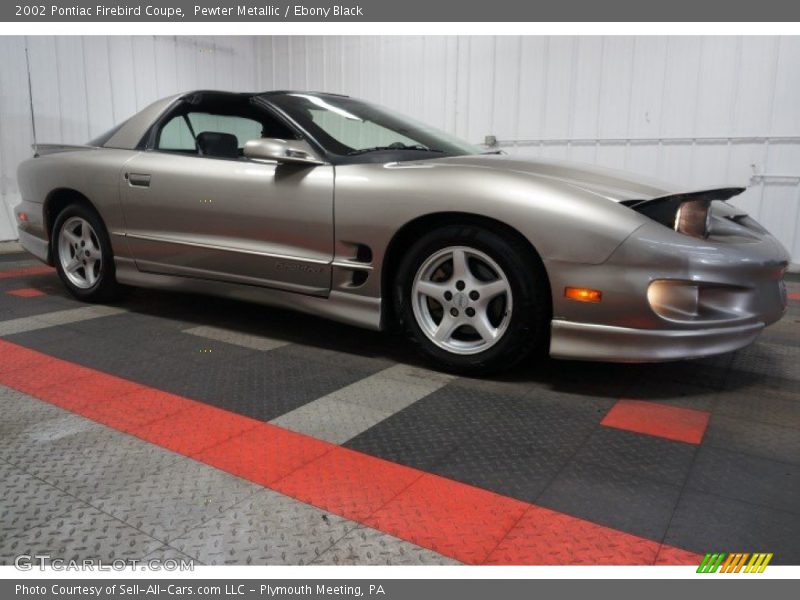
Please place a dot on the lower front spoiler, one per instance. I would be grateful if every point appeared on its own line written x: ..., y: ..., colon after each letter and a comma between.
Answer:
x: 36, y: 246
x: 584, y: 341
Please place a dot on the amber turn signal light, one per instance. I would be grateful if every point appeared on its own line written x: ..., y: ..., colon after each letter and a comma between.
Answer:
x: 583, y: 294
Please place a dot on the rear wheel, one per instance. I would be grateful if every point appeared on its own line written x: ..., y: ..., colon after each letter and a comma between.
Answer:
x: 472, y: 300
x: 83, y: 255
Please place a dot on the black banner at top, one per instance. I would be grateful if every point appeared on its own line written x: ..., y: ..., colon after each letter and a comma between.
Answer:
x: 399, y: 11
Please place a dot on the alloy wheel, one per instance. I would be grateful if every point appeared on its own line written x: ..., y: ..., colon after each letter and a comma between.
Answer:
x: 461, y: 300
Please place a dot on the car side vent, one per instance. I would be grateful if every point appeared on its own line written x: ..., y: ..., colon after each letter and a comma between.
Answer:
x: 359, y: 278
x: 363, y: 253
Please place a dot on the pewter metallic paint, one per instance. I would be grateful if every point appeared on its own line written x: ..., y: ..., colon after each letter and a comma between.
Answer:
x: 286, y: 235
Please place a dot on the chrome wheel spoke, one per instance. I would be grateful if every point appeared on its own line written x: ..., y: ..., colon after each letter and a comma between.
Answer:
x: 460, y: 265
x: 74, y: 239
x: 484, y: 328
x: 492, y: 289
x: 89, y: 269
x: 432, y: 290
x: 446, y: 328
x: 73, y: 266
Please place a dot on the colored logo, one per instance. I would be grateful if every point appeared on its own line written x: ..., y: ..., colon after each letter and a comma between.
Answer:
x: 735, y: 562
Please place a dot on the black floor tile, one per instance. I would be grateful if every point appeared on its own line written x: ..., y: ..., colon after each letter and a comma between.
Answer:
x: 747, y: 478
x: 708, y: 523
x: 773, y: 442
x: 609, y: 497
x: 641, y: 456
x: 507, y: 466
x: 761, y: 404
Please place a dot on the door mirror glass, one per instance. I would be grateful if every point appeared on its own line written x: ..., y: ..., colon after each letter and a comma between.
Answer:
x: 283, y: 151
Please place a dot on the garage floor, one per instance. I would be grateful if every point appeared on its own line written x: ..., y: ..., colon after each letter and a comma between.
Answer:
x: 180, y: 426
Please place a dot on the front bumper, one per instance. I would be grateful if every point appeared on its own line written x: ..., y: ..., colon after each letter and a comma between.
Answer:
x: 586, y: 341
x: 666, y: 296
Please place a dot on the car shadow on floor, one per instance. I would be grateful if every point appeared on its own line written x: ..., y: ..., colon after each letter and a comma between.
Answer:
x: 682, y: 379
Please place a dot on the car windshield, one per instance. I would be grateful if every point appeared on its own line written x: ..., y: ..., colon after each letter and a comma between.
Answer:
x: 353, y: 128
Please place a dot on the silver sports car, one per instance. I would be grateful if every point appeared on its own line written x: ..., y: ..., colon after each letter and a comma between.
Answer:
x: 337, y: 207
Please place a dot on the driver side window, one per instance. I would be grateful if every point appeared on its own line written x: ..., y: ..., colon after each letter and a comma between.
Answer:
x: 213, y: 135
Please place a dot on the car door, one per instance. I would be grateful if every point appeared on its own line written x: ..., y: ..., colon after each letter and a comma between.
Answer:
x: 228, y: 218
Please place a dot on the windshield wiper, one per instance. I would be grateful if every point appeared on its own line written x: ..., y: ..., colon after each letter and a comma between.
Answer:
x: 385, y: 148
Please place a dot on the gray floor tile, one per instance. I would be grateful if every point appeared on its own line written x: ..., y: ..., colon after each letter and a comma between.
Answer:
x: 82, y: 533
x: 264, y: 529
x: 167, y: 504
x: 366, y: 546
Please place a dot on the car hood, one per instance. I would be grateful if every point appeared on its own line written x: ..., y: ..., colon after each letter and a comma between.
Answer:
x: 608, y: 183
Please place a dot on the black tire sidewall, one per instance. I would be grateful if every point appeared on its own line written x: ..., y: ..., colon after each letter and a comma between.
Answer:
x: 530, y: 296
x: 105, y: 287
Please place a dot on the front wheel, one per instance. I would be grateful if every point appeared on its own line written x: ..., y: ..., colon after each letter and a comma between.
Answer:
x: 83, y: 255
x: 473, y: 301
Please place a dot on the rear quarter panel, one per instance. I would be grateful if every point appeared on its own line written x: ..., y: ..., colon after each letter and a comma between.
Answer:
x: 95, y: 173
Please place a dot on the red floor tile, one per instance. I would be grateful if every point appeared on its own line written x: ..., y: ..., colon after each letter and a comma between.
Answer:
x: 26, y: 293
x: 794, y: 296
x: 194, y: 429
x: 26, y: 271
x: 348, y: 483
x: 449, y: 517
x: 264, y: 454
x: 651, y: 418
x: 546, y: 537
x: 668, y: 555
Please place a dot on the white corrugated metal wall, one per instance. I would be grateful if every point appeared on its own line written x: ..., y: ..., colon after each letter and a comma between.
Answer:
x: 700, y: 111
x: 82, y: 86
x: 697, y: 110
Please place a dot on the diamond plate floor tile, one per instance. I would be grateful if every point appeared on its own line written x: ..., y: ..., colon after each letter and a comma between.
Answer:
x: 264, y: 529
x: 366, y: 546
x: 638, y: 455
x: 21, y: 411
x: 428, y: 432
x: 772, y: 442
x: 544, y: 537
x: 167, y: 504
x: 28, y: 502
x: 26, y: 442
x: 747, y: 478
x: 55, y: 318
x: 82, y: 533
x: 14, y: 307
x: 677, y: 394
x: 768, y: 365
x: 347, y: 483
x: 477, y: 520
x: 705, y: 522
x: 507, y: 466
x: 608, y: 497
x: 754, y: 403
x: 391, y: 390
x: 254, y: 342
x: 98, y: 461
x: 168, y: 553
x: 331, y: 420
x: 710, y: 373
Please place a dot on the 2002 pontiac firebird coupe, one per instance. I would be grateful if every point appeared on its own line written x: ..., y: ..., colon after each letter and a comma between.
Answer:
x: 340, y: 208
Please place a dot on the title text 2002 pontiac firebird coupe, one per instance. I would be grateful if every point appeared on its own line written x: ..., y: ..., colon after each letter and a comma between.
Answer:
x: 340, y: 208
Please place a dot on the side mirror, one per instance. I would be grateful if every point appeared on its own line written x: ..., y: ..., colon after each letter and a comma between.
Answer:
x: 283, y: 151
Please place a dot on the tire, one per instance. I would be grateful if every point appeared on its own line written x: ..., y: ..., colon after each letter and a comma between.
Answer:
x: 497, y: 330
x: 82, y: 254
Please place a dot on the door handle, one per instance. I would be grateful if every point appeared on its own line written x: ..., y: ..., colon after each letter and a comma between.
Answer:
x: 138, y: 179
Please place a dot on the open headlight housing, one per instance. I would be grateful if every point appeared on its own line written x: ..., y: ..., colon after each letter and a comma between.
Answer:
x: 689, y: 214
